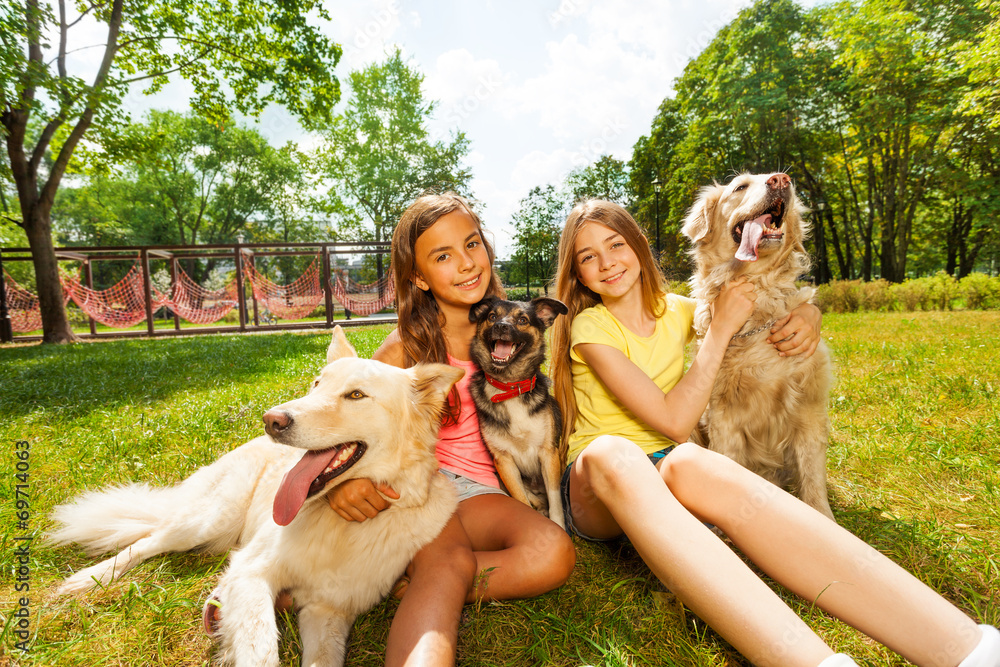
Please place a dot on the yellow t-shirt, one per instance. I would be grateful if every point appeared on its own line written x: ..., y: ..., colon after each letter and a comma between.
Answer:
x: 660, y: 355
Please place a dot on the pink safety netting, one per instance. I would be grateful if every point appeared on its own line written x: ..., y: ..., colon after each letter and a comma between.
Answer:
x: 22, y: 306
x: 123, y: 304
x: 288, y: 302
x: 196, y: 304
x: 364, y: 299
x: 120, y: 306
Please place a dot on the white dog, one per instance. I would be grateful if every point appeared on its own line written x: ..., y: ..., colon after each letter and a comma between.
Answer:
x: 361, y: 418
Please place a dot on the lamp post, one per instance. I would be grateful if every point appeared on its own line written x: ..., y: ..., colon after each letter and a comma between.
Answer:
x: 656, y: 188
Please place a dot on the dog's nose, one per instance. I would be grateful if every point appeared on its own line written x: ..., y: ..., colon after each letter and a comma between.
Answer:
x: 501, y: 328
x: 779, y: 181
x: 276, y: 421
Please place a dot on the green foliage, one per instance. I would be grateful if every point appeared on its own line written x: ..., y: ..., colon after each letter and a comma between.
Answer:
x: 840, y: 296
x: 977, y: 291
x: 379, y: 153
x: 538, y: 223
x: 179, y: 179
x: 239, y: 55
x: 606, y: 178
x: 898, y: 171
x: 913, y: 294
x: 980, y: 291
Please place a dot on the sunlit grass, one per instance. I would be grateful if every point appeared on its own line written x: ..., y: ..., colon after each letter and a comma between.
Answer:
x: 913, y: 470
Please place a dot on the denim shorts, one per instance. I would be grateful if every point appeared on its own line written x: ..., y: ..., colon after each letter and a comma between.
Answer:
x: 468, y: 488
x: 571, y: 528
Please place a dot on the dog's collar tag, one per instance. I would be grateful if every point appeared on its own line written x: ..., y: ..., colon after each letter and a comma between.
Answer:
x: 511, y: 389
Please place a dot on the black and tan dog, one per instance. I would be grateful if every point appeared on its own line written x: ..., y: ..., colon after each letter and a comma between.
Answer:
x: 518, y: 417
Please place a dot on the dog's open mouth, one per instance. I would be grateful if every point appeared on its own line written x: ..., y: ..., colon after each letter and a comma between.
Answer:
x: 748, y: 234
x: 310, y: 475
x: 503, y: 351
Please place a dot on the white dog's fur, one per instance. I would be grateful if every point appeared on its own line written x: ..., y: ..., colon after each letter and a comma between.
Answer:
x: 333, y: 568
x: 768, y: 413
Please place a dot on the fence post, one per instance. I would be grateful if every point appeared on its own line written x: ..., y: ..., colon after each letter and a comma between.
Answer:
x: 6, y: 327
x: 173, y: 290
x: 253, y: 295
x: 88, y: 273
x: 147, y: 292
x: 240, y: 301
x: 327, y: 288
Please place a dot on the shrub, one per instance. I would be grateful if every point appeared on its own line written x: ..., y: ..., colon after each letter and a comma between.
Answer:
x: 877, y: 295
x: 839, y: 296
x: 912, y: 294
x: 943, y: 290
x: 681, y: 287
x: 980, y: 291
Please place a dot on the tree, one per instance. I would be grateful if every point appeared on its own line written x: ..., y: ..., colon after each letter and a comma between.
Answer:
x: 179, y: 179
x: 538, y: 223
x: 653, y: 160
x: 607, y: 178
x: 379, y: 154
x: 901, y: 93
x: 264, y: 51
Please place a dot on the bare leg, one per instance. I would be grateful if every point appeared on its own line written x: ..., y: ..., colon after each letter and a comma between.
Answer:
x: 819, y: 560
x: 614, y: 488
x: 425, y: 628
x: 519, y: 552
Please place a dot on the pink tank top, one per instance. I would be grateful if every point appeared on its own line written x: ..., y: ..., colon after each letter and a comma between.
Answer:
x: 460, y: 447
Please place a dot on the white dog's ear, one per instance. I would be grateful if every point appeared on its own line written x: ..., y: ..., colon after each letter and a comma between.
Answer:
x: 431, y: 384
x: 698, y: 222
x: 339, y: 346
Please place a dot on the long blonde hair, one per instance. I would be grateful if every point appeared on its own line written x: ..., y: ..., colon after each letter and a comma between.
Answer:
x: 420, y: 320
x: 578, y: 297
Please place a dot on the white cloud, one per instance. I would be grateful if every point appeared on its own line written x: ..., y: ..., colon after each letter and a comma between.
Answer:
x: 463, y: 85
x: 367, y: 32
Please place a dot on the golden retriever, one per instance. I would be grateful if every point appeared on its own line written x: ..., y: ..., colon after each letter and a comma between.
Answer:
x: 768, y: 413
x: 266, y: 499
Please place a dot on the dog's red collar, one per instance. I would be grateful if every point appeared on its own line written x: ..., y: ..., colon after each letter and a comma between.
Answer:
x: 511, y: 389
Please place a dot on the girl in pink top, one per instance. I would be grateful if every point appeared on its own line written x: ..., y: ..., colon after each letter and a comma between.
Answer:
x: 442, y: 265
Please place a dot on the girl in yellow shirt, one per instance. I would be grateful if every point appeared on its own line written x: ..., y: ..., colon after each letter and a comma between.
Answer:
x: 618, y: 369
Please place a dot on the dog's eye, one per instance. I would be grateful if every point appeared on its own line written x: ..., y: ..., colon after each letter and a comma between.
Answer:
x: 315, y: 382
x: 492, y: 318
x: 740, y: 187
x: 522, y: 321
x: 356, y: 395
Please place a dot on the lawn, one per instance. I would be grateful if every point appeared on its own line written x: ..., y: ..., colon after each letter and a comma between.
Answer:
x: 913, y: 468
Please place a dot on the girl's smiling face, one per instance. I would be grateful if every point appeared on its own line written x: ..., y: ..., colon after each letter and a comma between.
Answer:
x: 452, y: 262
x: 605, y: 263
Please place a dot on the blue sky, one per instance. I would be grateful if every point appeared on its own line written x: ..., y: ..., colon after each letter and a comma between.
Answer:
x: 538, y: 87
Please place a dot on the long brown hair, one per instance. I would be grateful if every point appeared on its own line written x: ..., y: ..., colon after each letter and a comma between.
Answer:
x: 420, y: 319
x: 578, y: 297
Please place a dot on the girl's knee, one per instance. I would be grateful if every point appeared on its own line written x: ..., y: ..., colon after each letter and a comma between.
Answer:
x: 605, y: 463
x: 691, y: 468
x: 444, y: 559
x: 561, y: 555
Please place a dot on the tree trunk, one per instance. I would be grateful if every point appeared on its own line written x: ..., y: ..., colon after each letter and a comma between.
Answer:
x: 55, y: 323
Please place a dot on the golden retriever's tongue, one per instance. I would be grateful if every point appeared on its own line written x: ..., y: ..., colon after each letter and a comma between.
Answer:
x: 752, y: 233
x: 502, y: 349
x: 295, y: 485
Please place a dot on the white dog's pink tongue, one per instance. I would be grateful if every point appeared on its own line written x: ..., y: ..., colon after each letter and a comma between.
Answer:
x: 752, y: 233
x: 295, y: 485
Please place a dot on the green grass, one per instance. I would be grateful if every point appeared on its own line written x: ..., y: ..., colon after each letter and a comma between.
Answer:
x: 913, y: 470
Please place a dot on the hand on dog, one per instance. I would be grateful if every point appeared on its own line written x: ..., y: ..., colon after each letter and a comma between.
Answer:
x: 798, y: 332
x: 360, y: 499
x: 733, y: 307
